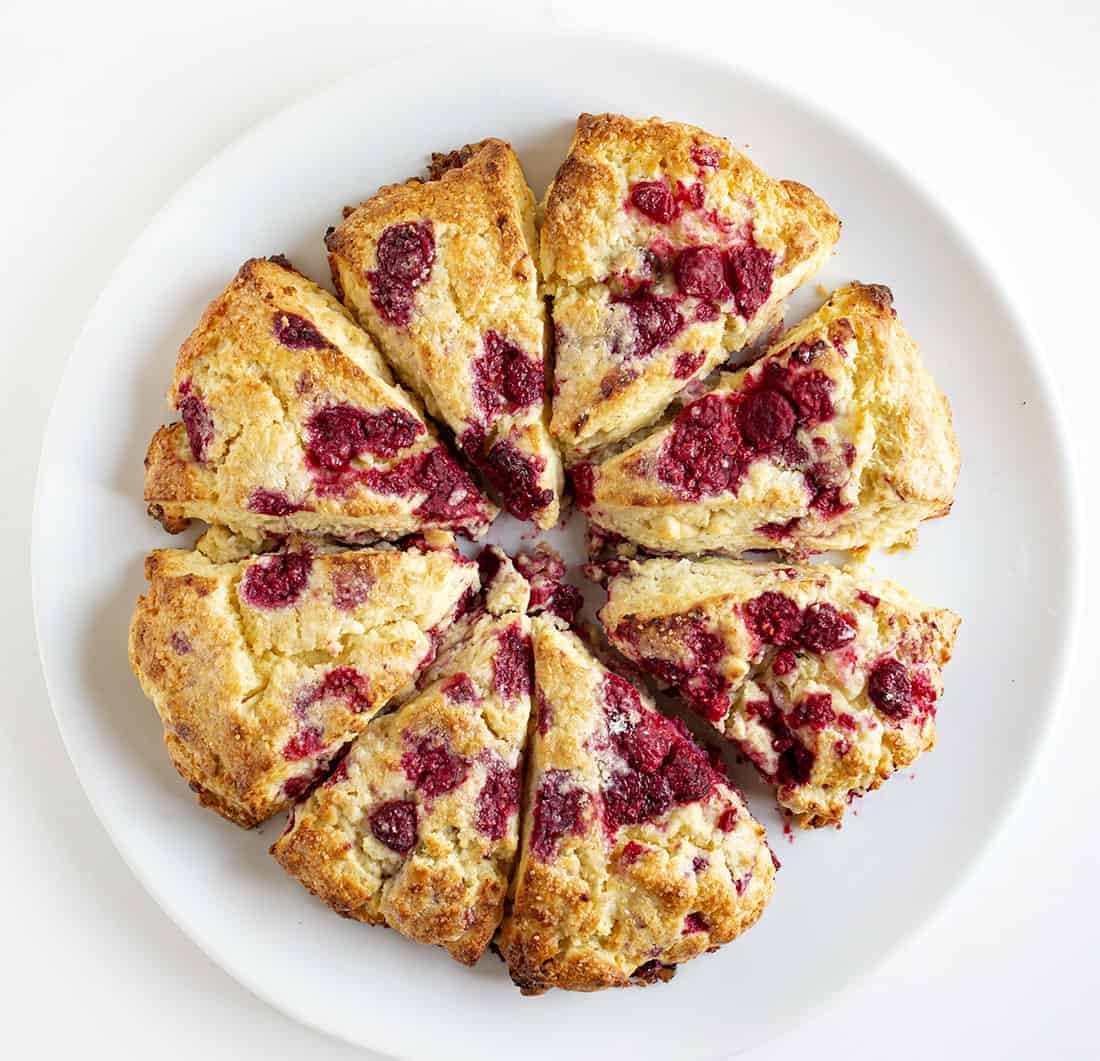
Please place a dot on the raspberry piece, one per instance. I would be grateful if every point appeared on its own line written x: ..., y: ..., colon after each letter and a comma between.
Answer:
x: 498, y: 799
x: 276, y: 581
x: 694, y: 923
x: 654, y: 199
x: 347, y: 684
x: 796, y: 764
x: 824, y: 628
x: 706, y: 694
x: 694, y: 195
x: 559, y: 811
x: 544, y: 713
x: 505, y: 379
x: 459, y: 689
x: 688, y: 773
x: 701, y: 273
x: 297, y: 333
x: 890, y: 688
x: 449, y: 492
x: 638, y: 740
x: 727, y: 820
x: 785, y: 661
x: 687, y: 364
x: 512, y: 665
x: 766, y: 419
x: 705, y: 156
x: 296, y: 787
x: 632, y: 797
x: 272, y: 503
x: 394, y: 824
x: 544, y: 571
x: 432, y: 768
x: 750, y: 270
x: 810, y: 393
x: 703, y: 454
x: 774, y: 618
x: 656, y: 321
x: 304, y: 744
x: 778, y: 532
x: 339, y: 433
x: 515, y: 477
x: 198, y: 424
x: 406, y: 251
x: 584, y: 481
x: 392, y: 298
x: 815, y: 711
x: 351, y: 586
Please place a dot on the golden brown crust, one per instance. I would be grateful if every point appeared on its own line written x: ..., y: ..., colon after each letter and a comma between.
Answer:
x: 255, y: 700
x: 270, y: 352
x: 447, y: 888
x: 598, y: 248
x: 598, y: 902
x: 482, y: 280
x: 692, y: 623
x: 887, y: 450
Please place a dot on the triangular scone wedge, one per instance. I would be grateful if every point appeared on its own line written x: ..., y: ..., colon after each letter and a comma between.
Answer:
x: 417, y: 827
x: 826, y: 680
x: 262, y: 669
x: 665, y: 250
x: 636, y: 854
x: 442, y: 273
x: 291, y: 423
x: 838, y: 438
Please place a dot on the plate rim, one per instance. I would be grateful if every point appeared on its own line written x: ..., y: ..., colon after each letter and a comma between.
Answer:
x: 468, y: 47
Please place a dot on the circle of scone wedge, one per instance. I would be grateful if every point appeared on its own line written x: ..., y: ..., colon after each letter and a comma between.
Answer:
x: 464, y: 759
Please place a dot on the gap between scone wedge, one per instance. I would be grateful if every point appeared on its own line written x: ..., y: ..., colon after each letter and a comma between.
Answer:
x: 442, y: 272
x: 837, y: 438
x: 417, y: 826
x: 665, y: 251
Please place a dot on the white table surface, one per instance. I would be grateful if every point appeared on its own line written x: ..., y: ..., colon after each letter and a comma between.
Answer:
x: 106, y: 109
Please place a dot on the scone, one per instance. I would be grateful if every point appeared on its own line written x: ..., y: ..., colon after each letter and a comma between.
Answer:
x: 442, y: 272
x: 825, y: 680
x: 635, y: 855
x: 418, y: 825
x: 290, y: 422
x: 838, y: 438
x: 263, y: 669
x: 544, y: 571
x: 665, y: 250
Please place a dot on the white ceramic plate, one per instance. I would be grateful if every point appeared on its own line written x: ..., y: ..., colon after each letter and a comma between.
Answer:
x: 1004, y: 559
